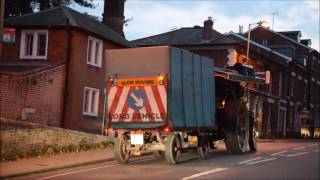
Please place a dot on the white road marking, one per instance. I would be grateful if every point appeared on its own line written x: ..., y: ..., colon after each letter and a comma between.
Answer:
x: 278, y: 153
x: 264, y: 160
x: 299, y: 148
x: 74, y: 172
x: 204, y: 173
x: 313, y: 145
x: 90, y: 169
x: 242, y: 162
x: 297, y: 154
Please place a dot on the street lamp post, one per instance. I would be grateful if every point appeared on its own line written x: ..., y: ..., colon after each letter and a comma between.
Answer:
x: 249, y: 33
x: 247, y: 58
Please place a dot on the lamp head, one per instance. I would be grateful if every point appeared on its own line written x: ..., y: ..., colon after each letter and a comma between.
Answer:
x: 262, y: 22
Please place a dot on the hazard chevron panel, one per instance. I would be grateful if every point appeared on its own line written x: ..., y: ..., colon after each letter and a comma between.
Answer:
x: 137, y: 100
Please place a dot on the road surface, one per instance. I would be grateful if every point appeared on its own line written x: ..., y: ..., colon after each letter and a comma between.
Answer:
x: 273, y: 160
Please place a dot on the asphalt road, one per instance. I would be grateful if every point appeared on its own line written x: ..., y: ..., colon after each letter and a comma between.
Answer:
x: 274, y: 160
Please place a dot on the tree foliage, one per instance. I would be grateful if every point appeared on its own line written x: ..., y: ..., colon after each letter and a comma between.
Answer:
x: 19, y: 7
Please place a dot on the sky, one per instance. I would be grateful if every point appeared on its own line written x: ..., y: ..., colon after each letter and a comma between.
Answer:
x: 151, y: 17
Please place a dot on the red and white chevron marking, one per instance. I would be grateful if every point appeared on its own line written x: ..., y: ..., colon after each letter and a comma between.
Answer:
x: 154, y: 109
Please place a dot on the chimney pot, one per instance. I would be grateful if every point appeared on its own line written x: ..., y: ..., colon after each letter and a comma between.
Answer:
x: 208, y: 27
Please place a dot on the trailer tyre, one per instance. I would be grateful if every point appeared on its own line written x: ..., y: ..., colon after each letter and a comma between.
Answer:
x: 122, y: 154
x: 237, y: 139
x: 173, y: 149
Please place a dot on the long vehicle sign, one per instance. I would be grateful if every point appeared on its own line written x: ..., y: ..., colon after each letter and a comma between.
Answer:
x: 137, y: 100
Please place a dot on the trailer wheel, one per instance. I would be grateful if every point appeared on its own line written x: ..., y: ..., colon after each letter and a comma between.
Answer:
x: 122, y: 154
x: 253, y: 138
x: 173, y: 149
x: 237, y: 139
x: 203, y: 148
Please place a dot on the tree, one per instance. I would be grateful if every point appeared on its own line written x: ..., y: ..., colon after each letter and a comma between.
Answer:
x: 19, y: 7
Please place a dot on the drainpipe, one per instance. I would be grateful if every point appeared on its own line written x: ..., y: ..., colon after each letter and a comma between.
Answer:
x: 289, y: 115
x: 104, y: 107
x: 66, y: 90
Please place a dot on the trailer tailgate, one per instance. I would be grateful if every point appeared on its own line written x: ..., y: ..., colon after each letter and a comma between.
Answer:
x: 137, y: 102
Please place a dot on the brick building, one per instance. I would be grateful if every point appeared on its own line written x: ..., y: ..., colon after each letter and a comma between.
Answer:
x: 268, y: 102
x: 277, y: 114
x: 54, y: 72
x: 302, y: 77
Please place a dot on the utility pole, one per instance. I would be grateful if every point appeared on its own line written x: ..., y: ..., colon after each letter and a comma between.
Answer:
x: 1, y: 23
x: 273, y: 14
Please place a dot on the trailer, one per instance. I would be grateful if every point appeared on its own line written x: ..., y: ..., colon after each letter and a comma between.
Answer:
x: 168, y: 100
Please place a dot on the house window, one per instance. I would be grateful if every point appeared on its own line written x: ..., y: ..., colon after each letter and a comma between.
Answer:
x: 265, y: 42
x: 34, y: 44
x: 94, y: 52
x: 90, y: 101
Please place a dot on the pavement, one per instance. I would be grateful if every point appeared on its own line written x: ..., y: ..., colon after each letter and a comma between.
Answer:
x: 9, y: 169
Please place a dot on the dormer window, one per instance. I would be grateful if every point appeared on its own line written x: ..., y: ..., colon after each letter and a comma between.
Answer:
x: 34, y: 44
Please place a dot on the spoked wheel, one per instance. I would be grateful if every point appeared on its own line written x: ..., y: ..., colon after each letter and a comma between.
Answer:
x: 173, y: 149
x: 238, y: 138
x: 121, y: 150
x: 253, y: 134
x: 203, y: 148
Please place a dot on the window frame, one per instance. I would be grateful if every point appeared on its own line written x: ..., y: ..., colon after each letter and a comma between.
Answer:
x: 96, y: 102
x: 34, y: 44
x: 92, y: 54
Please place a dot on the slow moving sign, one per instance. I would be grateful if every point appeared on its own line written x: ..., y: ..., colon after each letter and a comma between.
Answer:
x: 137, y: 100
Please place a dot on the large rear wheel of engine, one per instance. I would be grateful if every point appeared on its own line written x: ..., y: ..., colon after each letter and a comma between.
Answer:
x: 173, y: 149
x: 237, y: 139
x: 121, y: 152
x: 253, y: 134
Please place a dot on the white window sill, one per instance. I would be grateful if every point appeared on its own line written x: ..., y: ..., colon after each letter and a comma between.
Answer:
x: 90, y: 114
x: 95, y: 65
x: 33, y: 57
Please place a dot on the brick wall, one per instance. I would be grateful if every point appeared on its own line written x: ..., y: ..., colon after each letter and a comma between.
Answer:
x: 41, y: 92
x: 28, y: 142
x: 90, y: 76
x: 57, y: 47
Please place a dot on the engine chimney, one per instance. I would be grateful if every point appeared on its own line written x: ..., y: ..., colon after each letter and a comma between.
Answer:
x: 207, y: 28
x: 113, y: 15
